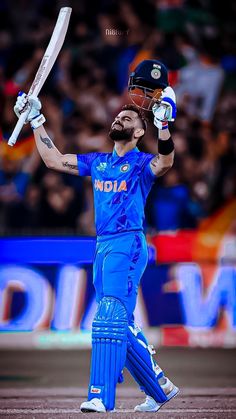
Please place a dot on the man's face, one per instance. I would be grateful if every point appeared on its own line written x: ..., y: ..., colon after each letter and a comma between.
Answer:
x: 124, y: 125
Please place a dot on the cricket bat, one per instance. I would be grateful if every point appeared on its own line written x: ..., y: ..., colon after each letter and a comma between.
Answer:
x: 49, y: 58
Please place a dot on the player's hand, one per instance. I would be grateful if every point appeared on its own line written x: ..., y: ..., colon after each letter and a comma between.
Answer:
x: 165, y: 110
x: 33, y: 105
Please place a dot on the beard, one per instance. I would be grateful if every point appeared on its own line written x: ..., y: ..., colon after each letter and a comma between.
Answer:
x: 124, y: 134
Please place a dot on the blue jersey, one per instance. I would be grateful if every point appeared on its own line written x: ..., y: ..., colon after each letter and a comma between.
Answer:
x: 121, y: 186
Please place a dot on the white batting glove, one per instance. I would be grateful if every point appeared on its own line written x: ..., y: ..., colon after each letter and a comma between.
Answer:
x: 33, y: 105
x: 165, y: 111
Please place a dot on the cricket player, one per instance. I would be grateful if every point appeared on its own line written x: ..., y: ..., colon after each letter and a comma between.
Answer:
x: 121, y: 183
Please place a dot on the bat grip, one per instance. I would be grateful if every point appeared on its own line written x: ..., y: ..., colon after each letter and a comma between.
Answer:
x: 19, y: 125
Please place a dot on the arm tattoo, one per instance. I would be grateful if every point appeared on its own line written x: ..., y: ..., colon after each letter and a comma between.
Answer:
x: 155, y: 161
x: 70, y: 166
x: 157, y: 170
x: 47, y: 142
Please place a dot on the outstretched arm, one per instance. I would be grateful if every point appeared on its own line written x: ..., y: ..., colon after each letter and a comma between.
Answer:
x: 164, y: 112
x: 51, y: 156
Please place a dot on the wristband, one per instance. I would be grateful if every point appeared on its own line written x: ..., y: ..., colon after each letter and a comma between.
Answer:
x: 165, y: 147
x: 37, y: 121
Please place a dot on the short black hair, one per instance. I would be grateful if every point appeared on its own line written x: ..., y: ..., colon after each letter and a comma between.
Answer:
x: 134, y: 108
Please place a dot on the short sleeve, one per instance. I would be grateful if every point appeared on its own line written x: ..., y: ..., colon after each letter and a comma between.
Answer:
x: 85, y: 163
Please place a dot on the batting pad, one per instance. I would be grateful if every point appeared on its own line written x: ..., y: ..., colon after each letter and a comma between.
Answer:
x: 109, y: 346
x: 143, y: 367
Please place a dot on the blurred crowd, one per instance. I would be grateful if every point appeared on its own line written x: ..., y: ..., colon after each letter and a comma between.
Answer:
x: 86, y: 89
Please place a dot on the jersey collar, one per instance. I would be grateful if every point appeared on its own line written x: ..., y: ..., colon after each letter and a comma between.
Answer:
x: 134, y: 150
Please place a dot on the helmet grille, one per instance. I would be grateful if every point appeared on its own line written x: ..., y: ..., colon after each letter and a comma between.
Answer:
x: 144, y: 97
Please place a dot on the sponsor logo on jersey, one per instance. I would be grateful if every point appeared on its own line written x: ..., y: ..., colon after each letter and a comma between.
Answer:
x: 101, y: 167
x: 110, y: 185
x: 124, y: 168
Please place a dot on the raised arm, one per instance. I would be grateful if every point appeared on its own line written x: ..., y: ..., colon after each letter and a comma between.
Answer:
x: 164, y: 112
x: 51, y: 156
x: 164, y: 160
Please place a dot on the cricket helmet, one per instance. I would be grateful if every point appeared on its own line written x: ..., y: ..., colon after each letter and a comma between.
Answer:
x: 146, y: 83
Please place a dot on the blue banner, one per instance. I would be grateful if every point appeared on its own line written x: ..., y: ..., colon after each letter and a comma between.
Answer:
x: 46, y: 284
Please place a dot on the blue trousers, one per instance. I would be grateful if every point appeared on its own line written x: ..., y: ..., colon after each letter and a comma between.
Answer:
x: 120, y: 261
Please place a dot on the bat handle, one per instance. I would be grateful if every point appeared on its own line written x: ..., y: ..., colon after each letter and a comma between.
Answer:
x: 19, y: 125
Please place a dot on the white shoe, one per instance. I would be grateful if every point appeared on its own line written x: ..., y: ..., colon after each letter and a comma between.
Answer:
x: 150, y: 405
x: 94, y: 405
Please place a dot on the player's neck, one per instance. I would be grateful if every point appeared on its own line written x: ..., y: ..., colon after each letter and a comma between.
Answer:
x: 123, y: 147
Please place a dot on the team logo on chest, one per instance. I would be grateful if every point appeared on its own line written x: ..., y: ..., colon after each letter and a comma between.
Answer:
x: 124, y: 168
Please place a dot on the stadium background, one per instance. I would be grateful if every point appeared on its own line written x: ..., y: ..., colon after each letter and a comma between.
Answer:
x: 187, y: 296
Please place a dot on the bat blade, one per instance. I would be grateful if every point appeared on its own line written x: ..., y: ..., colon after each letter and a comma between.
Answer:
x: 48, y: 60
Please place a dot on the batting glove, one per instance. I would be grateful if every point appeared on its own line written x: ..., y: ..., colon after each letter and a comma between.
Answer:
x: 33, y: 105
x: 165, y: 111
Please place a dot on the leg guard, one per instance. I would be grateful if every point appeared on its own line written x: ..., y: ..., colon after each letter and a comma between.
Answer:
x: 109, y: 346
x: 143, y: 367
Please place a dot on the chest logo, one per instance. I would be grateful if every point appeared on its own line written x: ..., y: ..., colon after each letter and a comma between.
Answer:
x: 124, y: 168
x: 110, y: 186
x: 101, y: 167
